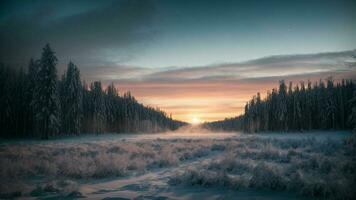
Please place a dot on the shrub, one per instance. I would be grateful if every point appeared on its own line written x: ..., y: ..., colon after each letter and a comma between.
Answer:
x: 265, y: 176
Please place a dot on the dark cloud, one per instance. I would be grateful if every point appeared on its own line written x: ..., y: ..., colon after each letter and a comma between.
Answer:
x: 111, y: 29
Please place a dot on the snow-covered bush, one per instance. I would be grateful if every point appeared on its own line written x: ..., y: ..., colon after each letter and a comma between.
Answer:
x: 267, y: 176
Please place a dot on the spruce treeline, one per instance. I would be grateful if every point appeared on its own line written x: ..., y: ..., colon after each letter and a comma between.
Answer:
x: 325, y: 105
x: 37, y: 104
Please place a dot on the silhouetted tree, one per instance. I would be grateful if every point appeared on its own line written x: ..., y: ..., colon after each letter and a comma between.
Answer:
x: 352, y: 117
x: 71, y: 93
x: 46, y: 101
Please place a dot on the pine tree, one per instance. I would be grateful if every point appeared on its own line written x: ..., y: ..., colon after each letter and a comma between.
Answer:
x: 72, y: 100
x: 322, y: 104
x: 330, y: 104
x: 282, y: 106
x: 352, y: 118
x: 258, y: 112
x: 274, y: 112
x: 309, y: 106
x: 98, y: 106
x: 111, y: 106
x: 46, y: 101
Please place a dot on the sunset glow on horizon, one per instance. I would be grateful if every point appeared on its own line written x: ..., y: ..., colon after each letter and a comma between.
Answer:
x: 195, y: 120
x: 210, y: 101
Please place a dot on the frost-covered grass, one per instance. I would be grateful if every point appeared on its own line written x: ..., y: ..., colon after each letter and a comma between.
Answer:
x: 315, y: 168
x: 311, y: 167
x: 95, y: 159
x: 24, y: 163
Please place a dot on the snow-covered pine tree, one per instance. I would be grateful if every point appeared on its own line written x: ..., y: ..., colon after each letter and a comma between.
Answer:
x: 259, y: 113
x: 309, y: 106
x: 322, y: 103
x: 98, y: 106
x: 33, y: 69
x: 253, y: 114
x: 282, y: 106
x: 111, y: 108
x: 330, y: 104
x: 46, y: 101
x: 274, y: 110
x: 267, y: 108
x: 290, y: 101
x: 247, y: 119
x: 62, y: 100
x: 302, y: 102
x: 352, y: 118
x: 87, y: 113
x: 297, y: 111
x: 72, y: 97
x: 340, y: 105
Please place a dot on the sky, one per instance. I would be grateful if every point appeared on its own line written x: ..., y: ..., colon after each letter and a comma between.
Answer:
x: 195, y: 59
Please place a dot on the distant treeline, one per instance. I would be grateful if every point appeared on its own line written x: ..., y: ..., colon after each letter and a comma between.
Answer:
x: 37, y: 104
x: 325, y: 105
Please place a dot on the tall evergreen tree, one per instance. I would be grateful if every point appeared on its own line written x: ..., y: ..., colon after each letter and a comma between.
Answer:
x: 98, y: 107
x: 352, y: 118
x: 111, y: 106
x: 282, y: 106
x: 46, y: 101
x: 330, y: 104
x: 72, y: 100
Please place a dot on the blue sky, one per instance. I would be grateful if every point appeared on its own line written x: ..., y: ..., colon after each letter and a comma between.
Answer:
x: 167, y: 33
x: 194, y: 33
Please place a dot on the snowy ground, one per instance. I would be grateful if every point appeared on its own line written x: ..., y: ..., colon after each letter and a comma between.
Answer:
x: 181, y: 165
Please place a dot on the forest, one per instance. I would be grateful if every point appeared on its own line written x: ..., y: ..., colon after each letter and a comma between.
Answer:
x: 323, y: 105
x: 35, y: 103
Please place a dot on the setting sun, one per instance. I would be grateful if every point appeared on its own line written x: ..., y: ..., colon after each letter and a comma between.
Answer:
x: 195, y: 120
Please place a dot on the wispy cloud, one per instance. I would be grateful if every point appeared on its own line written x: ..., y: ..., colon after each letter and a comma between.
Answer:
x: 263, y: 68
x: 284, y: 65
x: 110, y: 72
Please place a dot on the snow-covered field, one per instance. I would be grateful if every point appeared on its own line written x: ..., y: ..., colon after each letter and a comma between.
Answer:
x: 181, y: 165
